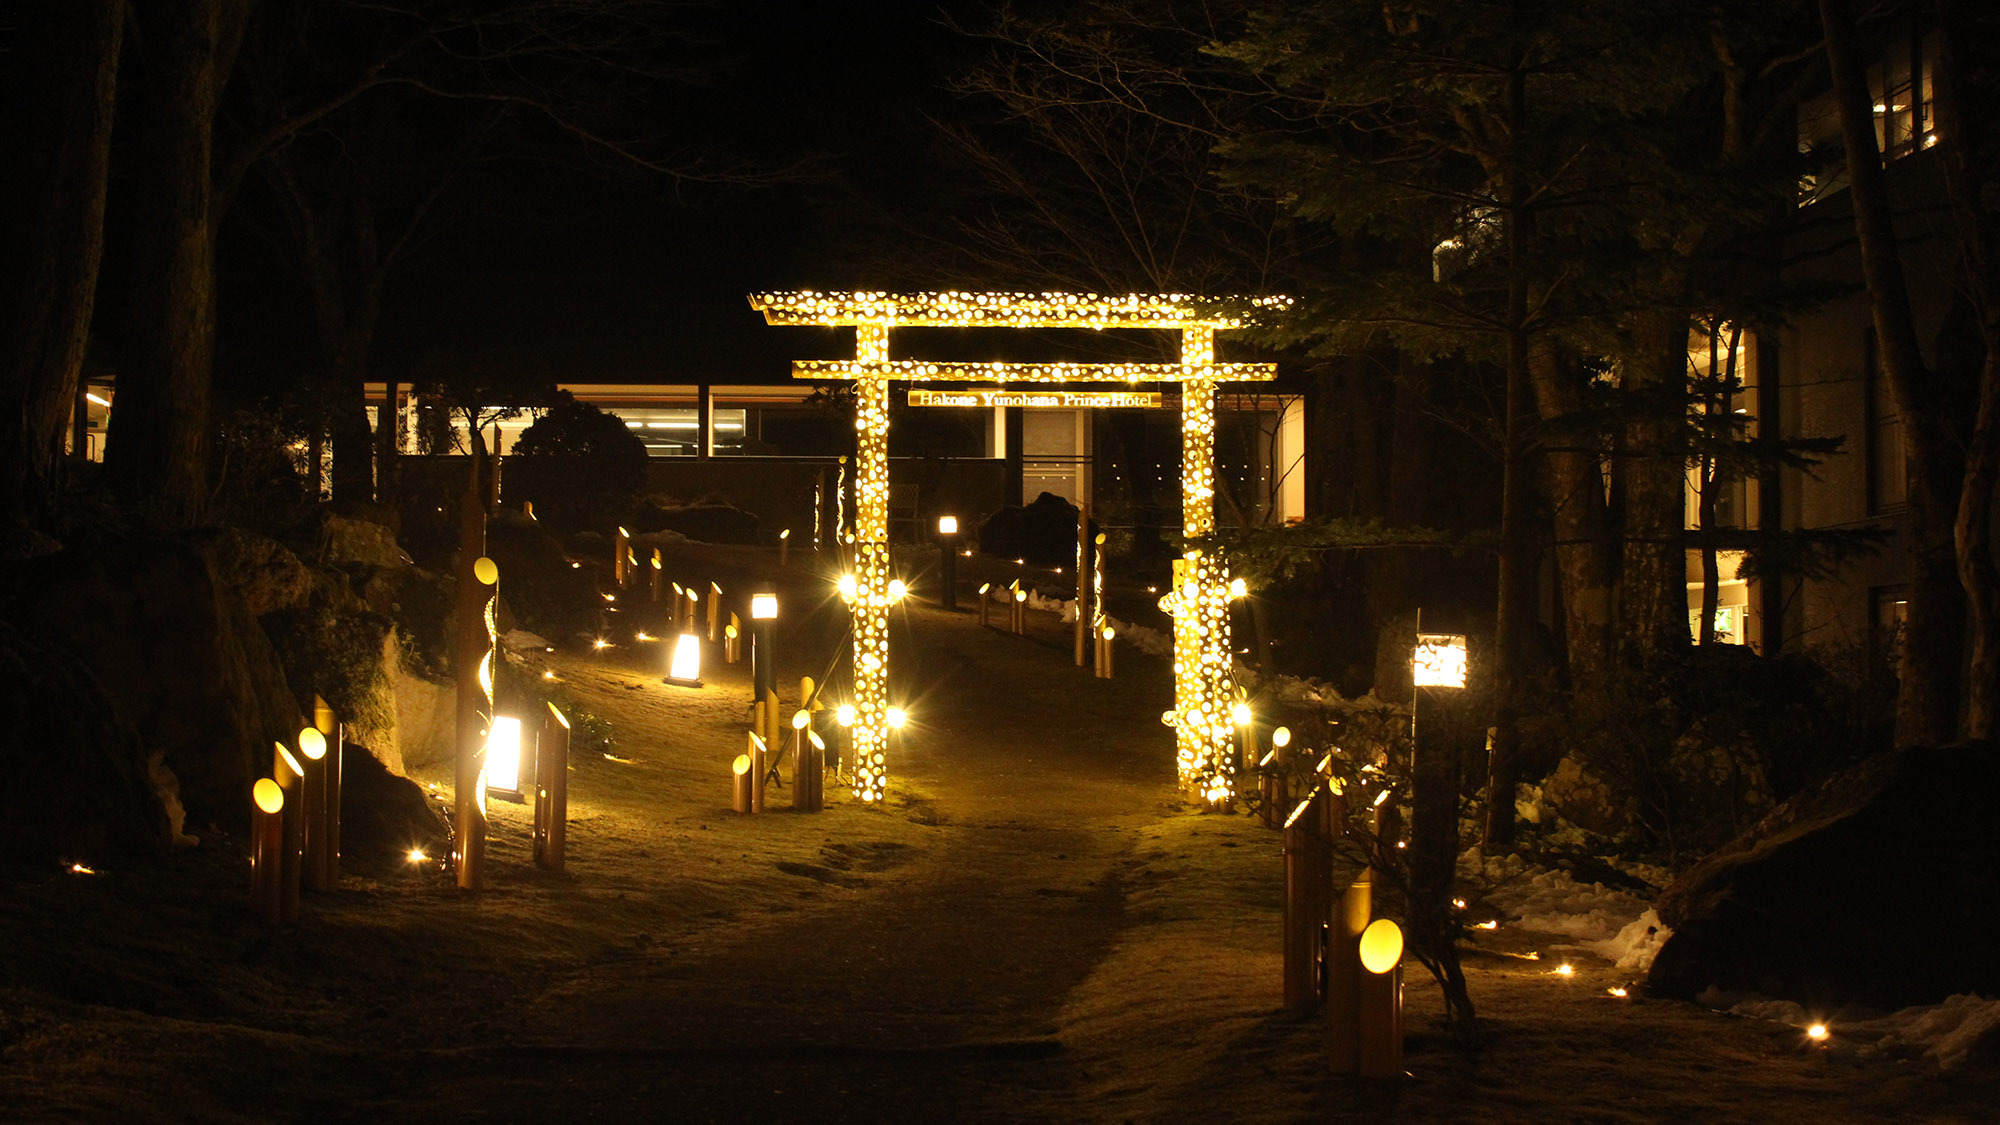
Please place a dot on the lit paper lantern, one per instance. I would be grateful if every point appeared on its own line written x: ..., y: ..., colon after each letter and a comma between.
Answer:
x: 685, y: 667
x: 503, y: 755
x: 1439, y: 660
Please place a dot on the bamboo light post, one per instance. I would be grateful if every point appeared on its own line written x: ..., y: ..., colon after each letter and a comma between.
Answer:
x: 1106, y: 646
x: 552, y: 791
x: 732, y: 640
x: 742, y: 788
x: 785, y: 547
x: 1275, y: 793
x: 763, y: 661
x: 474, y: 671
x: 621, y: 553
x: 758, y: 757
x: 808, y: 764
x: 1100, y: 625
x: 1345, y: 1031
x: 947, y: 527
x: 267, y: 842
x: 291, y: 778
x: 655, y: 578
x: 1019, y: 620
x: 1379, y: 1000
x: 714, y: 613
x: 312, y: 809
x: 1080, y: 630
x: 693, y: 611
x: 1308, y: 887
x: 335, y: 733
x: 985, y: 602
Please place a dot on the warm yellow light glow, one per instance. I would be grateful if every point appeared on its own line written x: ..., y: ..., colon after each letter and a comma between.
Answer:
x: 312, y: 743
x: 503, y: 754
x: 1618, y: 991
x: 741, y: 765
x: 1281, y: 737
x: 1564, y: 970
x: 985, y: 588
x: 600, y: 643
x: 82, y: 869
x: 1238, y: 588
x: 947, y: 525
x: 268, y: 794
x: 291, y: 763
x: 1020, y: 595
x: 642, y: 635
x: 1109, y: 632
x: 547, y: 675
x: 485, y: 570
x: 785, y: 534
x: 686, y: 667
x: 1239, y: 713
x: 897, y: 589
x: 1381, y: 946
x: 1439, y: 660
x: 97, y: 398
x: 844, y: 715
x: 1489, y: 924
x: 897, y: 717
x: 763, y: 607
x: 1817, y: 1033
x: 850, y: 587
x: 415, y: 855
x: 801, y: 720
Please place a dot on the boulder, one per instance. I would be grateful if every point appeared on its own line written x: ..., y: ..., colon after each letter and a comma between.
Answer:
x: 260, y: 570
x: 383, y: 816
x: 178, y: 657
x: 78, y: 786
x: 426, y: 715
x: 1880, y: 886
x: 342, y: 541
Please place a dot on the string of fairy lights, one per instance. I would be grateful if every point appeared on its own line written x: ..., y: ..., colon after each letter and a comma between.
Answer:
x: 1199, y: 599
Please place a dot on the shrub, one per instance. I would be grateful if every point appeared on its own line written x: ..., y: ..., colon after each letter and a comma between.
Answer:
x: 579, y: 466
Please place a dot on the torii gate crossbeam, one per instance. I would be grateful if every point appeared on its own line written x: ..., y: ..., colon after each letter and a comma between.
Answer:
x: 1199, y: 600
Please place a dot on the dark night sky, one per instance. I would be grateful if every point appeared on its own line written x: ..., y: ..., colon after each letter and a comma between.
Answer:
x: 611, y: 275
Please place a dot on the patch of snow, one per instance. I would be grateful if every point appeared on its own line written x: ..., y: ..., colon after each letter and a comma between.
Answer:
x: 520, y: 640
x: 1634, y: 946
x: 1944, y: 1032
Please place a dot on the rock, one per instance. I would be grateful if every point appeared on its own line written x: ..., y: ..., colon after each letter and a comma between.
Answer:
x: 78, y: 787
x: 426, y: 711
x: 383, y: 816
x: 261, y: 571
x: 1880, y: 886
x: 1584, y: 799
x: 177, y: 654
x: 358, y: 542
x: 1043, y: 533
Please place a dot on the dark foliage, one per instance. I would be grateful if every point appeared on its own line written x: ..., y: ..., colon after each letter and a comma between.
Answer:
x: 579, y: 466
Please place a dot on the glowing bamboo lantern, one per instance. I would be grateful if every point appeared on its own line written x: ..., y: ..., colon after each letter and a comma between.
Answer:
x: 985, y: 601
x: 474, y: 669
x: 674, y: 609
x: 785, y: 547
x: 335, y: 733
x: 1308, y: 883
x: 1019, y: 609
x: 693, y: 610
x: 764, y: 660
x: 1380, y: 1001
x: 1274, y: 792
x: 1345, y: 1029
x: 656, y: 576
x: 1080, y: 629
x: 291, y: 778
x: 732, y: 641
x: 757, y: 758
x: 267, y: 842
x: 714, y: 613
x: 1106, y: 646
x: 552, y: 791
x: 312, y: 808
x: 621, y: 551
x: 744, y: 789
x: 808, y: 764
x: 1439, y: 660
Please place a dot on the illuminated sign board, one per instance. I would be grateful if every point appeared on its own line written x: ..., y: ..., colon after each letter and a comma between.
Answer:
x: 996, y: 396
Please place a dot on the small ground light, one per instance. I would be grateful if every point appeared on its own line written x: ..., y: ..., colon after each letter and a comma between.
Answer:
x: 415, y: 855
x: 1238, y: 588
x: 1817, y: 1033
x: 1564, y: 970
x: 897, y: 717
x: 897, y: 588
x: 1240, y: 714
x: 845, y: 716
x: 1617, y: 990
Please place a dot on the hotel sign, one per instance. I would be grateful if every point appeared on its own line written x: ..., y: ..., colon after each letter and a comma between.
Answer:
x: 996, y: 396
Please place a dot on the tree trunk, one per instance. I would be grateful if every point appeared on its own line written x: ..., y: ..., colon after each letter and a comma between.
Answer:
x: 1586, y: 559
x: 1651, y: 610
x: 59, y: 95
x: 1970, y: 34
x: 158, y: 452
x: 1933, y: 639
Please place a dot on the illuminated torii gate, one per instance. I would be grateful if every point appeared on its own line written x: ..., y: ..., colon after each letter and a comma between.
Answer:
x: 1199, y: 601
